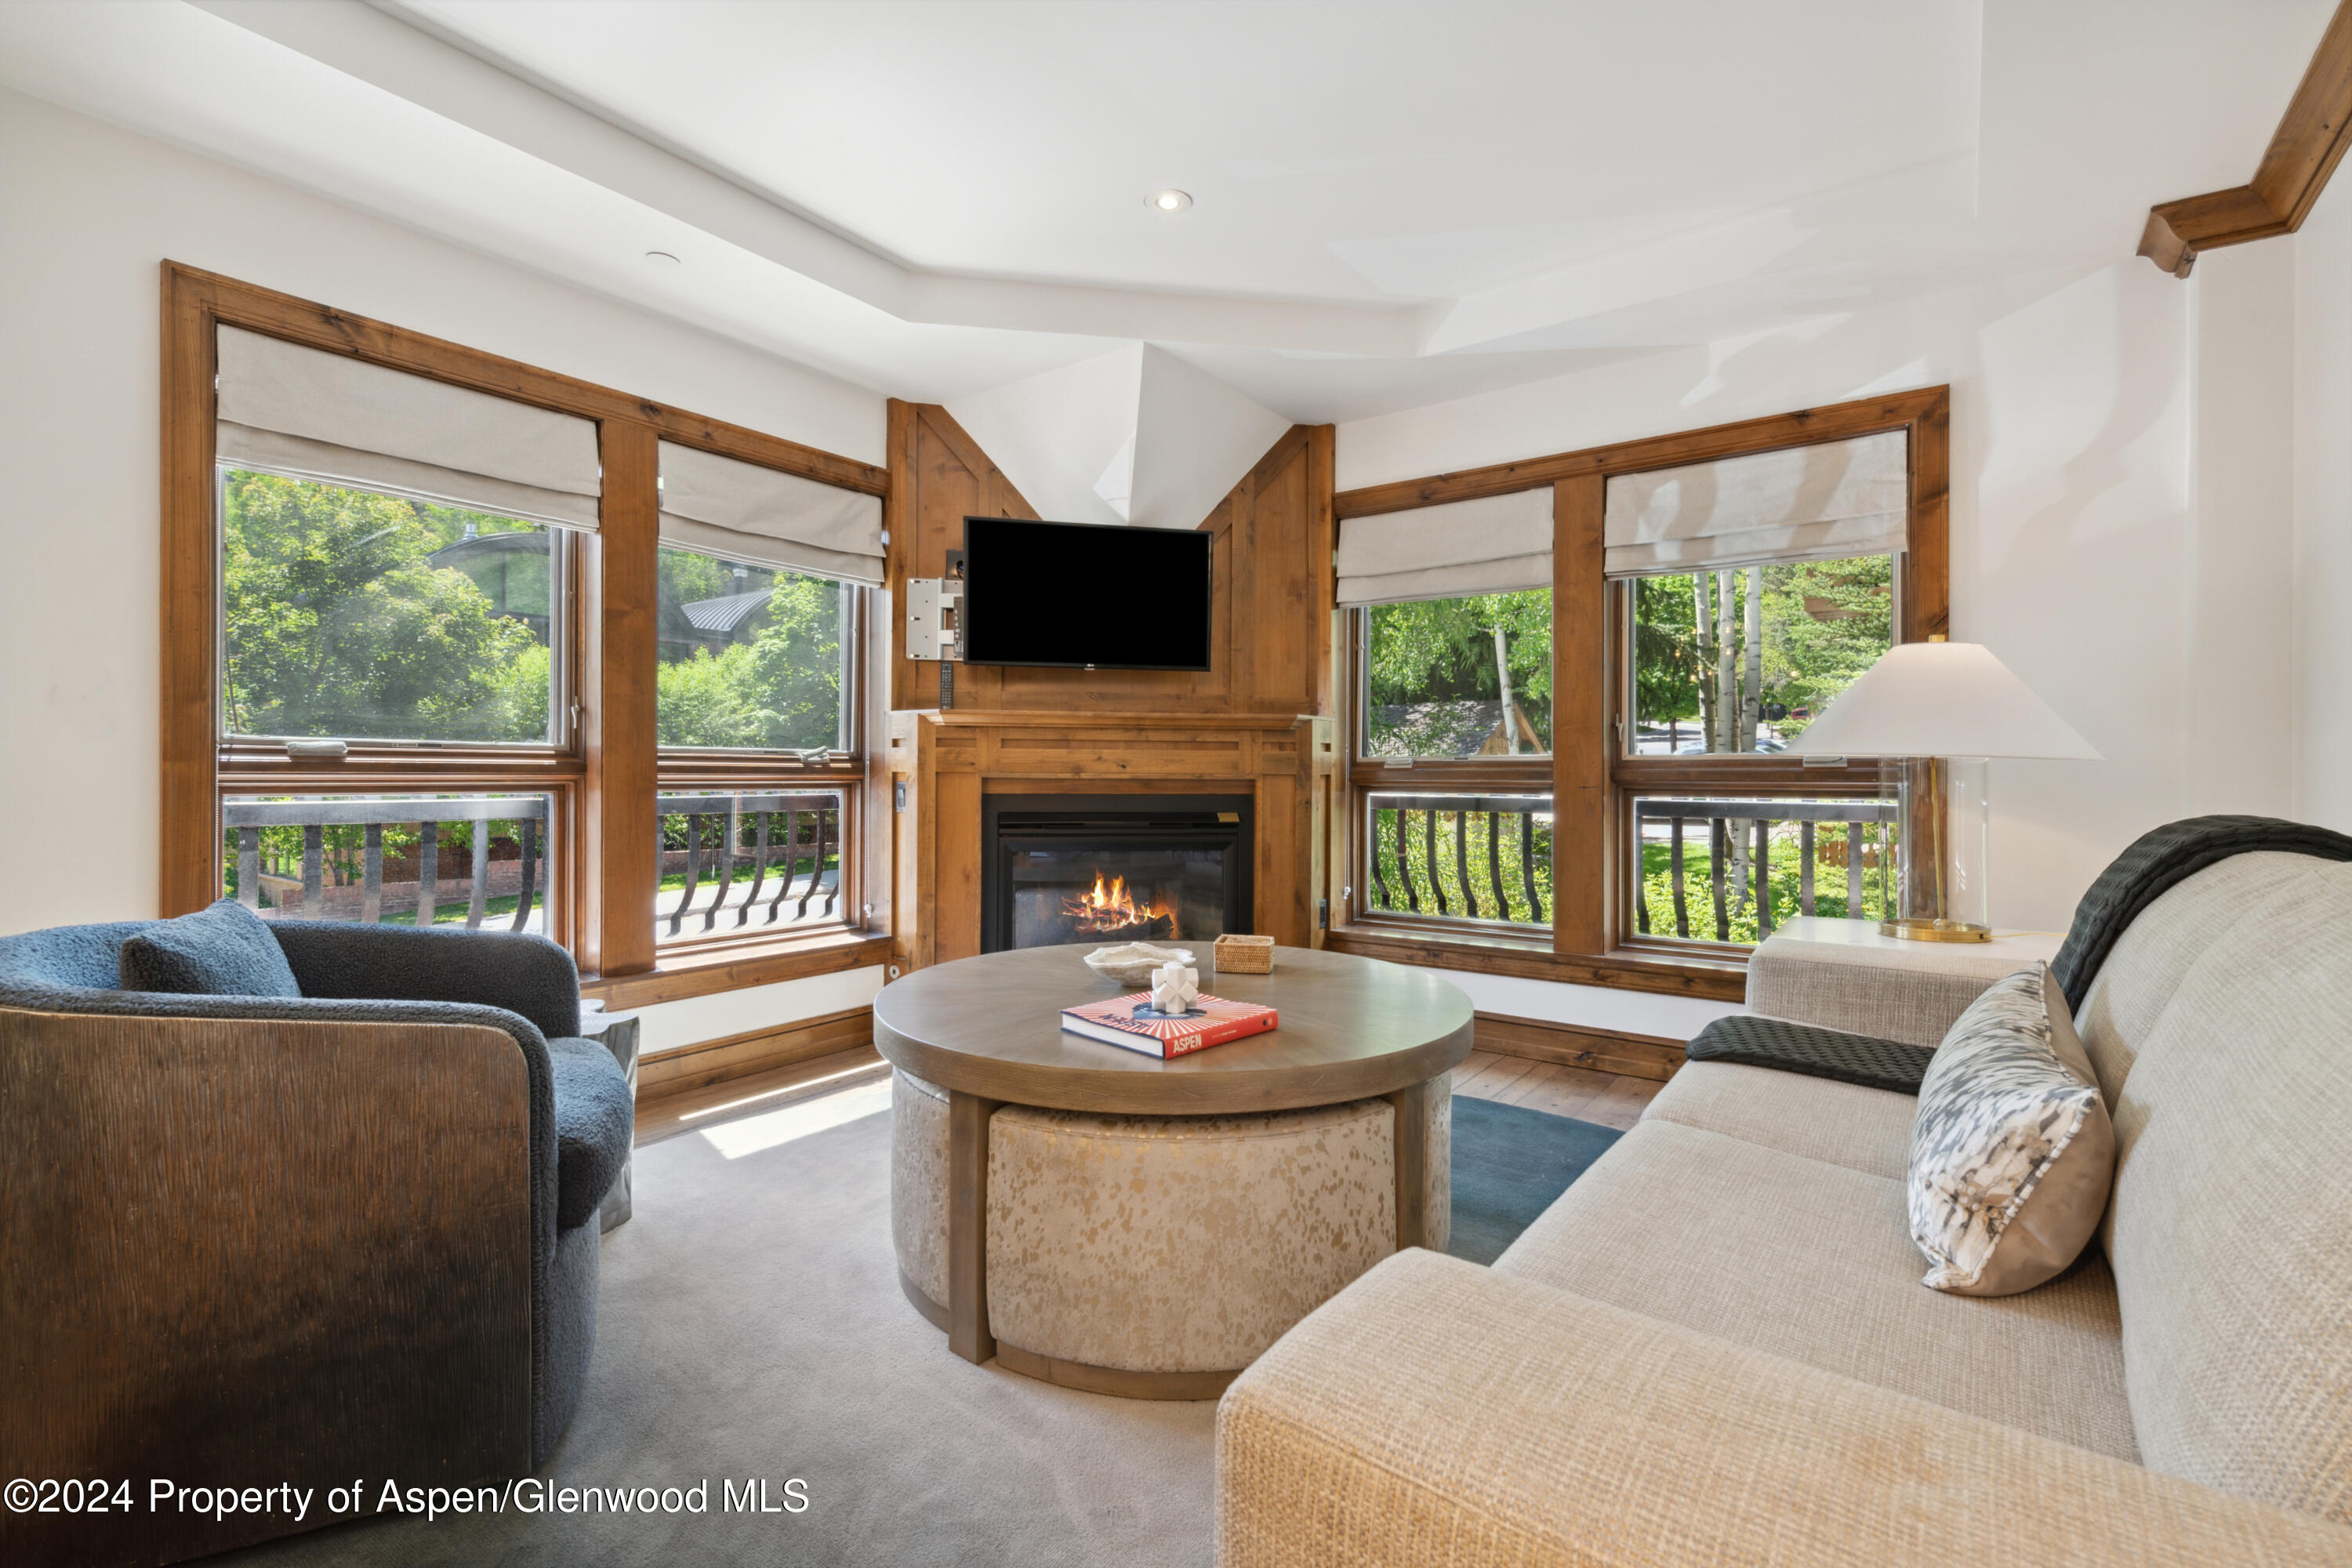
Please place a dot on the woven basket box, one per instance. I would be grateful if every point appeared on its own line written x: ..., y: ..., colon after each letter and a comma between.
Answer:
x: 1244, y: 954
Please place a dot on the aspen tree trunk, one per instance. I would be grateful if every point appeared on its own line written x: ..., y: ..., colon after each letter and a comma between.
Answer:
x: 1704, y: 620
x: 1502, y: 673
x: 1744, y: 873
x: 1726, y: 679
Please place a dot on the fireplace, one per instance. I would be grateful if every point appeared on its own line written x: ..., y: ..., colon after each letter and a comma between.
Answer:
x: 1113, y: 868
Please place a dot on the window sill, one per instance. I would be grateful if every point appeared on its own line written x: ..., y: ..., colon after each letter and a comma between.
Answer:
x: 676, y: 976
x: 1713, y: 978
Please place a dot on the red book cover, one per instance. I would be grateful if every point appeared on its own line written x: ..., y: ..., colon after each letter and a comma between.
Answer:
x: 1129, y: 1021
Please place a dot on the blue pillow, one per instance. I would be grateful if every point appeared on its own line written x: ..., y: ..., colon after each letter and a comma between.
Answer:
x: 224, y: 951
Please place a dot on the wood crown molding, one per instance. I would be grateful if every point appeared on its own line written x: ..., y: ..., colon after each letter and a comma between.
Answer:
x: 2310, y: 141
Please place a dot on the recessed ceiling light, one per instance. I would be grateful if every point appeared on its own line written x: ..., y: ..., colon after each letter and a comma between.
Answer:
x: 662, y: 259
x: 1170, y: 201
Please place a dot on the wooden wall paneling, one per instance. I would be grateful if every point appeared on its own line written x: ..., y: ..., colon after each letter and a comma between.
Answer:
x: 1322, y: 546
x: 1654, y: 1057
x: 1275, y: 615
x: 2303, y: 151
x: 1928, y: 557
x: 1279, y: 858
x: 188, y: 829
x: 1583, y: 848
x: 954, y: 913
x: 616, y: 699
x: 754, y: 1051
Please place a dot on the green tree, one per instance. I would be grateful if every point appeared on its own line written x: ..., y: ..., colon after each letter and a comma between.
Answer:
x: 337, y: 624
x: 1430, y: 650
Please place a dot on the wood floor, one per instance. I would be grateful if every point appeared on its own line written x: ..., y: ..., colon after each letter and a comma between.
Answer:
x: 1608, y: 1099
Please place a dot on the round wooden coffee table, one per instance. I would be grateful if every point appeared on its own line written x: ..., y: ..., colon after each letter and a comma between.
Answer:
x: 988, y: 1031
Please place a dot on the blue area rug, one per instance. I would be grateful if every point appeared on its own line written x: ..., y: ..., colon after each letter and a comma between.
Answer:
x: 1509, y: 1162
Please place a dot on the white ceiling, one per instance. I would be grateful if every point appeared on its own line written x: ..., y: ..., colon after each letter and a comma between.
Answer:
x: 1395, y: 204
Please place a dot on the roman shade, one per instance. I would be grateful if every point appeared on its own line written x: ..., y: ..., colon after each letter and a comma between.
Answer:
x: 302, y: 412
x: 762, y: 517
x: 1492, y: 545
x: 1800, y: 503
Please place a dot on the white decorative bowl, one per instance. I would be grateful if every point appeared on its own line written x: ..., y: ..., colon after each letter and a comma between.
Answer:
x: 1131, y: 963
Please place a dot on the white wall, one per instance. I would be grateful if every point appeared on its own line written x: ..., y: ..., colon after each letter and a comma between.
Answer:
x: 91, y: 212
x: 2323, y: 511
x: 2135, y: 580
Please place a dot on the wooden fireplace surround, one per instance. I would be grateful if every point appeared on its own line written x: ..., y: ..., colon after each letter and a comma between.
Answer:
x: 1258, y: 721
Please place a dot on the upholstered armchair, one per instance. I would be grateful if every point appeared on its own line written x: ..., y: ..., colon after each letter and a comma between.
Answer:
x: 247, y: 1240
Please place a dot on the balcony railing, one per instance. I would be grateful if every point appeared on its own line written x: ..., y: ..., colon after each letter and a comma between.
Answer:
x: 1465, y: 857
x: 1749, y: 866
x: 325, y: 870
x: 750, y: 851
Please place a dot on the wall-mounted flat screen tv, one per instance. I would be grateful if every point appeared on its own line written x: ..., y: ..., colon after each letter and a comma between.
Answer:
x: 1085, y: 596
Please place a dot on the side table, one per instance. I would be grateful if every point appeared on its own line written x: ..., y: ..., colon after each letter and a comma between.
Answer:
x: 1845, y: 975
x: 618, y: 1033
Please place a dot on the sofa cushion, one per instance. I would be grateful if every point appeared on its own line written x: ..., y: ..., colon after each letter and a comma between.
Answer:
x: 1865, y: 1130
x: 2219, y: 1020
x: 2011, y: 1153
x: 225, y: 949
x: 595, y: 1121
x: 1811, y: 1261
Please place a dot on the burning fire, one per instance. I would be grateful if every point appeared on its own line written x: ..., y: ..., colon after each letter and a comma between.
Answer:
x: 1113, y: 908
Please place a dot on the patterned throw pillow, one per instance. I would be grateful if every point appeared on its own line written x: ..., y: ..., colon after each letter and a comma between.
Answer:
x: 2011, y: 1153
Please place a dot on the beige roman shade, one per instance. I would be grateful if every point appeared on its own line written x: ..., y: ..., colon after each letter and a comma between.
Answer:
x: 1492, y: 545
x: 760, y: 516
x: 1800, y: 503
x: 302, y: 412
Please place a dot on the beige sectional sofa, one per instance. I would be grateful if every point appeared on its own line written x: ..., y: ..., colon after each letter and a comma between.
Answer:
x: 1715, y: 1348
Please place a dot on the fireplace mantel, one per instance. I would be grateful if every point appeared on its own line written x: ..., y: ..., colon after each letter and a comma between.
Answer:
x: 938, y: 766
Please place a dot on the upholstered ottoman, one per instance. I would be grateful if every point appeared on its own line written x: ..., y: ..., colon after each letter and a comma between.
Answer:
x: 1159, y: 1255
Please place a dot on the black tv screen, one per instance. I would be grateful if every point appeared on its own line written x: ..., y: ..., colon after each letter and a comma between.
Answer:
x: 1080, y: 595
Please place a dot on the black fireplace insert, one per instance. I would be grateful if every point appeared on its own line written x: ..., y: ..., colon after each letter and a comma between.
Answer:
x: 1113, y: 868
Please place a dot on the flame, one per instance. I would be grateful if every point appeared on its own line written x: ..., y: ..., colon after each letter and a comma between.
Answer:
x: 1112, y: 907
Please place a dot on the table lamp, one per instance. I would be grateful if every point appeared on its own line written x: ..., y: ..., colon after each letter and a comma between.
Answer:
x: 1935, y: 711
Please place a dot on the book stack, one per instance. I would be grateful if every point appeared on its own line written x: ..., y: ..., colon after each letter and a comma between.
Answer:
x: 1132, y: 1023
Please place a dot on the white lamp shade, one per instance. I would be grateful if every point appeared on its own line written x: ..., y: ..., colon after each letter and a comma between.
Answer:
x: 1940, y: 699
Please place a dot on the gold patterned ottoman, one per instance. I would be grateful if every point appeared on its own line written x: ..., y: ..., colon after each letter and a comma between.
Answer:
x: 1157, y: 1255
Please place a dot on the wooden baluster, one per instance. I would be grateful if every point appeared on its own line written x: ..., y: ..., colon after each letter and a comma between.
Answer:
x: 1718, y: 844
x: 314, y: 900
x: 1429, y: 850
x: 1495, y: 863
x: 477, y: 894
x: 248, y: 868
x: 1462, y: 861
x: 1404, y: 860
x: 759, y: 869
x: 371, y: 876
x: 1380, y: 883
x: 1763, y: 879
x: 428, y: 871
x: 727, y: 861
x: 1805, y: 867
x: 527, y: 835
x: 1682, y: 891
x: 1854, y: 897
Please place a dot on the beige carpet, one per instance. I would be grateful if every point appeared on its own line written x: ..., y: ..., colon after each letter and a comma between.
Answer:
x: 750, y: 1325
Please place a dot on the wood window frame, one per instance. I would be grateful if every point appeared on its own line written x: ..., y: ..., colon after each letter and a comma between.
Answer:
x: 1594, y: 937
x: 602, y: 770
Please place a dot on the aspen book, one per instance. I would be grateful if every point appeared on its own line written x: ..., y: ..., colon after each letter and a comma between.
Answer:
x: 1130, y: 1021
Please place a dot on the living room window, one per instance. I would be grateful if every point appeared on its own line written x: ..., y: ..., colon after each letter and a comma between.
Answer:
x: 450, y: 639
x: 1572, y: 678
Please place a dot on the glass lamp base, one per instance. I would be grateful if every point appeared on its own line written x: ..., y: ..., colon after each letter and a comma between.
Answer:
x: 1924, y: 930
